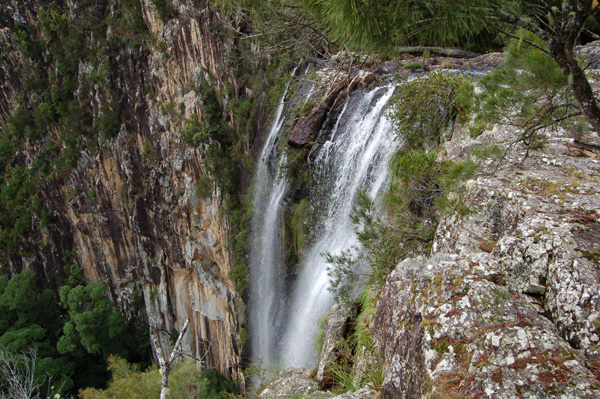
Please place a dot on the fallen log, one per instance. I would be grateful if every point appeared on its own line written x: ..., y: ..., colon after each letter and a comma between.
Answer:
x: 447, y: 52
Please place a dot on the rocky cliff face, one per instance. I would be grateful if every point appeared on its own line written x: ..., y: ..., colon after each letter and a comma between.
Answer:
x: 132, y: 207
x: 507, y: 304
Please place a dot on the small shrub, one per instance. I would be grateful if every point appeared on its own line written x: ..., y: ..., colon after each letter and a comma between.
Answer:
x: 204, y: 187
x: 165, y: 9
x: 195, y: 131
x: 423, y: 107
x: 186, y: 380
x: 414, y: 65
x: 149, y: 153
x: 529, y: 93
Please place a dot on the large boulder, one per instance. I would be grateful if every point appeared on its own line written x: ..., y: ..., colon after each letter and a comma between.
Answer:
x: 291, y: 382
x: 307, y: 127
x: 445, y: 327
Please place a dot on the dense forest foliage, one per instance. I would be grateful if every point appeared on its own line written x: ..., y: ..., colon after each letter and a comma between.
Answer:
x: 72, y: 338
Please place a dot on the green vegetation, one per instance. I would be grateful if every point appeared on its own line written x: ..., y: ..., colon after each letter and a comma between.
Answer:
x: 52, y: 125
x: 185, y: 381
x: 529, y: 92
x: 165, y: 9
x: 359, y: 341
x: 414, y: 65
x: 421, y: 108
x: 379, y: 27
x: 295, y: 230
x: 417, y: 195
x: 320, y: 334
x: 72, y: 338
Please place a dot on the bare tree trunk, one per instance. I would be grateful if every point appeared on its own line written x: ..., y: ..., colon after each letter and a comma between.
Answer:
x: 165, y: 367
x: 584, y: 94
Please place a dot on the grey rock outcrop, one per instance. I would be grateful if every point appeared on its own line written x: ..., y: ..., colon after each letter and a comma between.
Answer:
x: 295, y: 382
x: 507, y: 306
x: 290, y: 382
x: 339, y: 325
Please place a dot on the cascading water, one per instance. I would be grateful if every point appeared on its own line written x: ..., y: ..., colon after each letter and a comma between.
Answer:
x: 266, y: 282
x: 354, y: 158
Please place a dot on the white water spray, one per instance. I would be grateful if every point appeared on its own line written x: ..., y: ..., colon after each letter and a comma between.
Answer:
x: 266, y: 283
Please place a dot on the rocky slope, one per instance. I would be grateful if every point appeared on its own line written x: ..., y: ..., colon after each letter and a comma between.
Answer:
x: 507, y: 304
x: 132, y: 209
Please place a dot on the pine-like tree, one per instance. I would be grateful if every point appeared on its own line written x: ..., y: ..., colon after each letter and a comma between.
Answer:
x: 378, y: 26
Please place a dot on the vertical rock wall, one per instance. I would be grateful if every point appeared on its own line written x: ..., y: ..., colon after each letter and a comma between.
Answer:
x: 131, y: 207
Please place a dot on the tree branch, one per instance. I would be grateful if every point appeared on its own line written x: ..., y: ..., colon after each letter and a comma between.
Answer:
x: 166, y: 367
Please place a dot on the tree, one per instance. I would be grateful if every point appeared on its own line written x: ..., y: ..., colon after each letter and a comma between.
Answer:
x: 93, y: 322
x: 379, y: 26
x: 165, y: 366
x: 560, y: 24
x: 19, y: 379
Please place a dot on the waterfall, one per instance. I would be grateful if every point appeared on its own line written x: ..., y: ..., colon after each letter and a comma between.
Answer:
x: 266, y: 271
x: 284, y: 320
x: 355, y: 158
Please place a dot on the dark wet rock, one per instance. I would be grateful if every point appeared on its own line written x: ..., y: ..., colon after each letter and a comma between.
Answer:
x: 308, y: 125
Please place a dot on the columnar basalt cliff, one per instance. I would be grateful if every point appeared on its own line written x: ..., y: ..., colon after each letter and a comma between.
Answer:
x: 131, y: 207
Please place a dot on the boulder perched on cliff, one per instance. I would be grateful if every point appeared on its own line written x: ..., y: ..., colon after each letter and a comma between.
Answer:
x: 308, y: 125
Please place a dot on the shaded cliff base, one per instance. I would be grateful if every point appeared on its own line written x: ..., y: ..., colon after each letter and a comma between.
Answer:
x: 507, y: 304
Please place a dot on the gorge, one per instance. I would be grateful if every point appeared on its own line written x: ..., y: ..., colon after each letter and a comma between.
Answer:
x: 194, y: 160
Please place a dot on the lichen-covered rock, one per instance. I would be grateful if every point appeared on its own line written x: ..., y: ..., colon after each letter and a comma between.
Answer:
x: 444, y: 325
x: 507, y: 304
x: 364, y: 393
x: 338, y: 326
x: 291, y: 382
x: 542, y: 228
